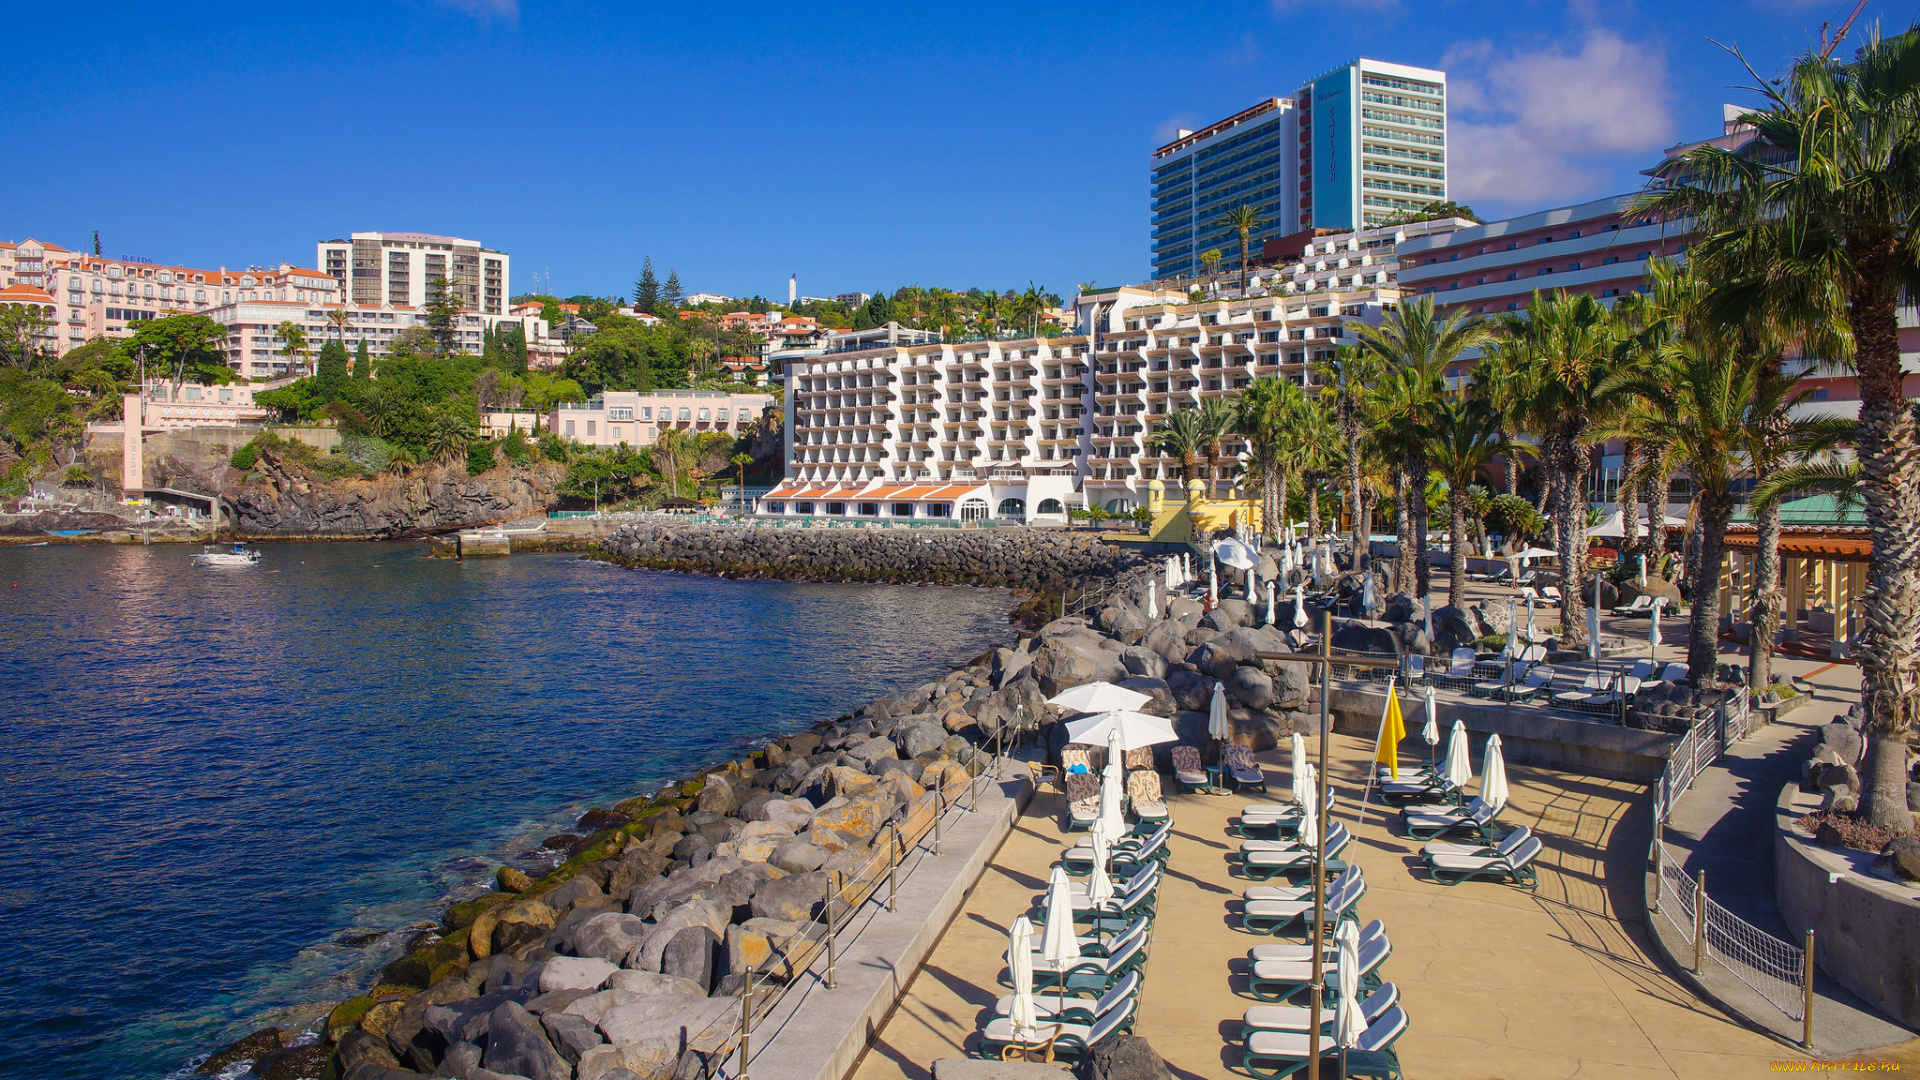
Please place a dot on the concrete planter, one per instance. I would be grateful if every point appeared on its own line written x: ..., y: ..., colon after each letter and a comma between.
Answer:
x: 1866, y: 928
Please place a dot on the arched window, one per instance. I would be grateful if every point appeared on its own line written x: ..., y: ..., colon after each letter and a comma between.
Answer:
x: 1119, y: 506
x: 973, y: 510
x: 1051, y: 506
x: 1012, y: 508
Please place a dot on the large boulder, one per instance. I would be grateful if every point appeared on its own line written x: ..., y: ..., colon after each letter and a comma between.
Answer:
x: 610, y: 935
x: 1014, y: 708
x: 778, y: 948
x: 636, y: 864
x: 1489, y: 619
x: 1067, y: 662
x: 712, y: 914
x: 1157, y: 689
x: 792, y: 898
x: 1845, y: 741
x: 570, y: 1035
x: 517, y: 1046
x: 643, y: 983
x: 1354, y: 636
x: 1191, y: 691
x: 919, y: 739
x: 798, y: 857
x: 687, y: 1021
x: 690, y: 956
x: 521, y: 923
x: 719, y: 796
x: 1251, y: 686
x: 1142, y: 661
x: 1168, y: 640
x: 1292, y: 682
x: 576, y: 972
x: 1123, y: 1057
x: 855, y: 821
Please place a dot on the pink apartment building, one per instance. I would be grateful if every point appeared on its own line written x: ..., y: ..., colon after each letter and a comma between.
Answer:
x: 636, y: 417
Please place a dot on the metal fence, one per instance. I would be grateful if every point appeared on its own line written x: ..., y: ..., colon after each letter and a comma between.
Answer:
x: 1778, y: 971
x: 807, y: 958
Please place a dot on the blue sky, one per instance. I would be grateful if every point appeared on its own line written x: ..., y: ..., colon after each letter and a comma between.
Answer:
x: 862, y: 147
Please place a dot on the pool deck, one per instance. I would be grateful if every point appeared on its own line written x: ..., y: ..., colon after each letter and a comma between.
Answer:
x: 1496, y: 981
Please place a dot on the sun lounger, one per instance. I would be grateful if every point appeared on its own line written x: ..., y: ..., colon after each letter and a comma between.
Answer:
x: 1300, y: 1017
x: 1591, y: 686
x: 1140, y: 757
x: 1640, y: 605
x: 1539, y: 681
x: 1094, y: 975
x: 1300, y: 892
x: 1088, y: 944
x: 1076, y: 1010
x: 1273, y: 1055
x: 1261, y: 865
x: 1478, y: 817
x: 1516, y: 866
x: 1427, y: 789
x: 1143, y: 794
x: 1187, y: 770
x: 1550, y: 593
x: 1057, y: 1040
x: 1506, y: 846
x: 1278, y: 980
x: 1413, y: 669
x: 1302, y: 950
x: 1242, y: 768
x: 1083, y: 800
x: 1268, y: 916
x: 1277, y: 826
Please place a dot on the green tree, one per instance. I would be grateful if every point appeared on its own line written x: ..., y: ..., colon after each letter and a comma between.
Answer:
x: 646, y: 289
x: 1415, y: 350
x: 1244, y: 220
x: 25, y: 336
x: 1569, y: 343
x: 362, y: 363
x: 673, y: 294
x: 876, y: 312
x: 443, y: 316
x: 293, y: 346
x: 330, y: 373
x: 1217, y: 419
x: 1350, y: 374
x: 1210, y: 259
x: 1271, y: 414
x: 1818, y: 212
x: 1463, y: 437
x: 1180, y: 434
x: 740, y: 462
x: 183, y: 348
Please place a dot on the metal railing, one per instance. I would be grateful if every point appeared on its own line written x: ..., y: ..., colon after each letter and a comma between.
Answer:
x: 1780, y: 972
x: 808, y: 957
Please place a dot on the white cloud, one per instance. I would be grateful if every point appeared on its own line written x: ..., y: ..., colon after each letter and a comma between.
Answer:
x: 487, y: 9
x: 1547, y: 124
x: 1169, y: 129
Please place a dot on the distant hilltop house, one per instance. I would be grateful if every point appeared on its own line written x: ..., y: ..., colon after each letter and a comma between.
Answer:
x: 696, y: 299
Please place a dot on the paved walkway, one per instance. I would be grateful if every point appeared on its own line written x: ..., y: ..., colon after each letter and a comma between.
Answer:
x: 1497, y: 982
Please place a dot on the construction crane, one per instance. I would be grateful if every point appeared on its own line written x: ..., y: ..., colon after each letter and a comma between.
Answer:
x: 1827, y: 47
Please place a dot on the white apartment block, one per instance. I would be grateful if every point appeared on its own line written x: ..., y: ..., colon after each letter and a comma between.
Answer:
x: 254, y: 344
x: 1027, y: 429
x: 393, y: 270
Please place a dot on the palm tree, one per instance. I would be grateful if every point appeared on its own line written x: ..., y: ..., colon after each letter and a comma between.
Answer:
x: 740, y: 462
x: 1724, y: 408
x: 1217, y: 419
x: 1271, y: 414
x: 337, y: 318
x: 1821, y: 208
x: 451, y: 435
x: 295, y: 337
x: 1462, y: 439
x: 1244, y: 220
x: 1569, y: 343
x: 1210, y: 259
x: 1351, y: 373
x: 1415, y: 350
x: 1180, y: 435
x: 1501, y: 386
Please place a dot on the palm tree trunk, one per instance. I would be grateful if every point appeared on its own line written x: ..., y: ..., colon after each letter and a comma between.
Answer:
x: 1563, y: 469
x: 1272, y: 488
x: 1546, y: 490
x: 1359, y: 499
x: 1313, y: 509
x: 1403, y: 570
x: 1629, y: 506
x: 1703, y: 647
x: 1243, y: 262
x: 1766, y: 599
x: 1513, y: 468
x: 1422, y: 521
x: 1457, y: 530
x: 1280, y: 501
x: 1890, y: 489
x: 1654, y: 544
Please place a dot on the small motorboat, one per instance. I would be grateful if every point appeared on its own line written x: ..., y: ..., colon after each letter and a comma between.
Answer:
x: 240, y: 555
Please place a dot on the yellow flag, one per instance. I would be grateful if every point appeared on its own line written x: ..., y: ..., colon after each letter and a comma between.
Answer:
x: 1392, y: 730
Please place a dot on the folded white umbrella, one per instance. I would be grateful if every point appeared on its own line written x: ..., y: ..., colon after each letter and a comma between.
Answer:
x: 1307, y: 788
x: 1459, y: 767
x: 1309, y: 825
x: 1431, y: 733
x: 1134, y: 729
x: 1299, y: 607
x: 1024, y: 1016
x: 1099, y: 885
x: 1366, y: 594
x: 1348, y: 1020
x: 1297, y: 745
x: 1270, y: 595
x: 1099, y: 696
x: 1153, y: 612
x: 1112, y: 786
x: 1058, y: 946
x: 1213, y: 580
x: 1653, y: 626
x: 1493, y: 778
x: 1532, y: 634
x: 1217, y: 714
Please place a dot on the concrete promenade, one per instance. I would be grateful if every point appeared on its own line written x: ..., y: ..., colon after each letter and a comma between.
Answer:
x: 1497, y: 982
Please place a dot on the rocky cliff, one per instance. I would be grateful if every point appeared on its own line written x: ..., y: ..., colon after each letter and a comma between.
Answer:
x: 1020, y: 558
x: 280, y: 500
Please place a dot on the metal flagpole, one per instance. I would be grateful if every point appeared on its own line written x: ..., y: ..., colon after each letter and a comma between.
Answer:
x: 1373, y: 768
x: 1320, y: 852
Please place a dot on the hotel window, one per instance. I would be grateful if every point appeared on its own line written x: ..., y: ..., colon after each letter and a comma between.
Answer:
x: 869, y: 509
x: 590, y: 424
x: 706, y: 414
x: 902, y: 509
x: 803, y: 508
x: 774, y: 507
x: 646, y: 413
x: 620, y: 414
x: 686, y: 414
x: 723, y: 414
x: 569, y: 427
x: 226, y: 396
x: 613, y: 433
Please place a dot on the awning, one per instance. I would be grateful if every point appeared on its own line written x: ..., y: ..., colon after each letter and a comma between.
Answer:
x: 1838, y: 548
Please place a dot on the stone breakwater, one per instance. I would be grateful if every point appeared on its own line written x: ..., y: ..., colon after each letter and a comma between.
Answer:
x: 1018, y: 558
x: 626, y: 961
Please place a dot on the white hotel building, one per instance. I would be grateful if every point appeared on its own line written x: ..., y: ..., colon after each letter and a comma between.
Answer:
x: 1027, y: 429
